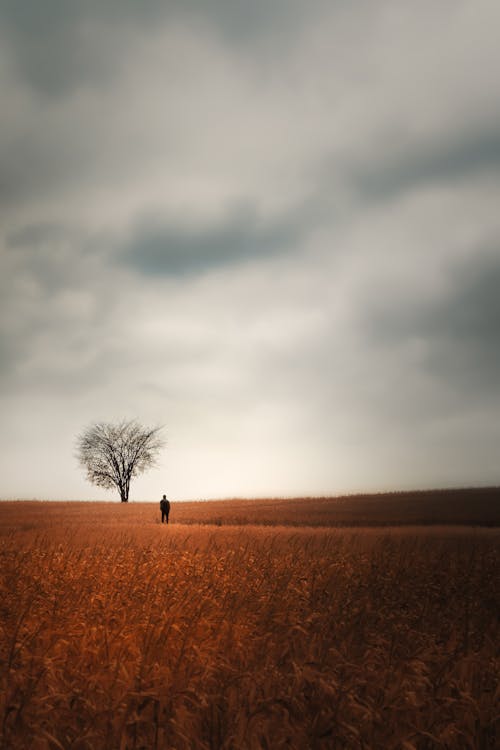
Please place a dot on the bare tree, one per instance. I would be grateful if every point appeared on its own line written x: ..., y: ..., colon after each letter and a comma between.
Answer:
x: 112, y: 454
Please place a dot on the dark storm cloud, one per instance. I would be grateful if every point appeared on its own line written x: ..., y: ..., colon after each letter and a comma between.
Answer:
x: 442, y: 160
x: 458, y: 333
x: 157, y: 248
x: 42, y: 34
x: 464, y: 329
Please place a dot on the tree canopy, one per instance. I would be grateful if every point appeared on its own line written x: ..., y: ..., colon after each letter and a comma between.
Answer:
x: 113, y: 454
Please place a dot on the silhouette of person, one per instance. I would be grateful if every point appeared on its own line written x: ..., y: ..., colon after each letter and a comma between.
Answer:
x: 165, y: 508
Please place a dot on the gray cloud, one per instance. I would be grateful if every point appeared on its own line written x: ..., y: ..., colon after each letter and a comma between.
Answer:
x: 271, y: 226
x: 58, y: 45
x: 158, y: 248
x: 446, y: 159
x: 464, y: 329
x: 456, y: 334
x: 83, y: 35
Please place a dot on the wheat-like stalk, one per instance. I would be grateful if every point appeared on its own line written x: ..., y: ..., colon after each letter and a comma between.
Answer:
x: 117, y: 632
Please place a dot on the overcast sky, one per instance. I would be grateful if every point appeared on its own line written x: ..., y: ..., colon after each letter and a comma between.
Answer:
x: 271, y: 226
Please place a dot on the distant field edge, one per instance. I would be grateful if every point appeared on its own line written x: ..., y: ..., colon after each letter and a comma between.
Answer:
x: 479, y: 506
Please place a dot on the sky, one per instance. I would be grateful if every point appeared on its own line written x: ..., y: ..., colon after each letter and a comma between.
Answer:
x: 270, y: 227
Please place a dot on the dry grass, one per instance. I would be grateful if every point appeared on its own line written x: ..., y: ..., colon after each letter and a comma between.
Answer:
x: 476, y: 506
x: 117, y: 632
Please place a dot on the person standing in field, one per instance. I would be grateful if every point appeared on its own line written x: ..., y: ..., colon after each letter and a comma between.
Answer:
x: 165, y: 508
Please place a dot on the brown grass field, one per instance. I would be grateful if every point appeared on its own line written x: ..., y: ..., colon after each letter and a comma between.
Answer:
x: 265, y: 624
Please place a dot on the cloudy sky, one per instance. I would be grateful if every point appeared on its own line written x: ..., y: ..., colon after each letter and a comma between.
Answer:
x: 271, y: 226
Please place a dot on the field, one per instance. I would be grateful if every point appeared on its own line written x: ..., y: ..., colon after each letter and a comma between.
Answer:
x: 272, y: 624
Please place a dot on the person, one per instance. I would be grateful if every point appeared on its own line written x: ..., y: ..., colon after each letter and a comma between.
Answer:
x: 165, y: 508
